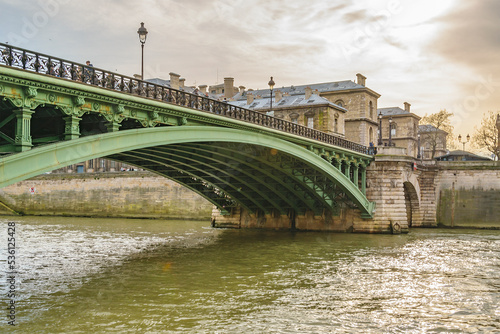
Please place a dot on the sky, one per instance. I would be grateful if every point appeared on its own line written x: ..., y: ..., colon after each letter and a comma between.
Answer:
x: 434, y: 54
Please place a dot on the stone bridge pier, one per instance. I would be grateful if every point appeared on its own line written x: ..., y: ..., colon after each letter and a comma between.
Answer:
x: 404, y: 193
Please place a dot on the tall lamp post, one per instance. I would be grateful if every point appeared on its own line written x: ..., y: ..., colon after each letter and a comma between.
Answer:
x: 143, y: 33
x: 390, y: 131
x: 380, y: 129
x: 463, y: 142
x: 271, y: 86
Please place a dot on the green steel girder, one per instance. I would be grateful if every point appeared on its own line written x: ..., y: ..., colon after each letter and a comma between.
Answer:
x: 188, y: 165
x: 36, y: 161
x: 222, y: 202
x: 270, y: 171
x: 283, y: 161
x: 253, y: 174
x: 208, y: 162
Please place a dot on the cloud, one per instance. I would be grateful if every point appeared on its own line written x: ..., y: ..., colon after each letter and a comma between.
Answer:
x: 471, y: 36
x: 470, y: 39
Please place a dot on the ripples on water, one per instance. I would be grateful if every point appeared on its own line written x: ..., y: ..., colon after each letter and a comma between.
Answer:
x: 127, y: 276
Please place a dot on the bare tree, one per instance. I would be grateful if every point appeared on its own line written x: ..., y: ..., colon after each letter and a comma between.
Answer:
x: 486, y: 137
x: 441, y: 121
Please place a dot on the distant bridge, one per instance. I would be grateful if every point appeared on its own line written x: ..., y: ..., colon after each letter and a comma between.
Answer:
x: 54, y: 113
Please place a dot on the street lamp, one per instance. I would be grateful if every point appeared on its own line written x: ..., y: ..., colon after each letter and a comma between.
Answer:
x: 390, y: 131
x: 143, y: 33
x: 463, y: 142
x: 380, y: 129
x: 271, y: 86
x: 418, y: 146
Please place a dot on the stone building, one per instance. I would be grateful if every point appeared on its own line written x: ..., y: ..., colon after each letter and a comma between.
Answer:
x: 403, y: 126
x: 308, y: 109
x: 432, y: 141
x: 350, y: 102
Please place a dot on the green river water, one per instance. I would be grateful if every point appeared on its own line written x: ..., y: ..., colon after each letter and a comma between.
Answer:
x: 82, y: 275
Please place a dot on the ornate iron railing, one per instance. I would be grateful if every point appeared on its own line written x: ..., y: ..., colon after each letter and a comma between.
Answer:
x: 64, y: 69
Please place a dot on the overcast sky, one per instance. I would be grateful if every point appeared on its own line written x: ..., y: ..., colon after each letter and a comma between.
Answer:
x: 434, y: 54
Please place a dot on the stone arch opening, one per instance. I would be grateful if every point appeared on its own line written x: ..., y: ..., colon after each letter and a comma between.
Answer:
x: 412, y: 204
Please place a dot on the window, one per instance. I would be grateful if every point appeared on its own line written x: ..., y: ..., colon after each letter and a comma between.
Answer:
x: 336, y: 125
x: 340, y: 103
x: 370, y: 135
x: 371, y: 109
x: 310, y: 122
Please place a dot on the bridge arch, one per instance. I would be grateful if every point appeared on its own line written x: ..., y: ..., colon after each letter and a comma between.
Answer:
x: 229, y: 167
x: 412, y: 201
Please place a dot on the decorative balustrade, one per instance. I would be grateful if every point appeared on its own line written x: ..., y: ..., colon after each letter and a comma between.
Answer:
x: 64, y: 69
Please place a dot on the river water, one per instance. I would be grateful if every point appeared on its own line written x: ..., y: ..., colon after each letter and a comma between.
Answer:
x: 81, y: 275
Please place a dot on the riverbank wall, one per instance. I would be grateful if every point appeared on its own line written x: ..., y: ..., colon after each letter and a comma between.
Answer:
x: 468, y: 194
x: 119, y: 194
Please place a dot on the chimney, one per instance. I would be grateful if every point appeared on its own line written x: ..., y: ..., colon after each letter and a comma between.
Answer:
x: 174, y: 80
x: 279, y: 96
x: 308, y: 92
x: 407, y: 106
x: 181, y: 82
x: 249, y: 98
x: 228, y: 87
x: 203, y: 88
x: 242, y: 88
x: 361, y: 79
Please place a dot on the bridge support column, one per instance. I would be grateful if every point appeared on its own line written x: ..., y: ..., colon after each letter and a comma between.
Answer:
x: 72, y: 127
x: 240, y: 218
x: 22, y: 141
x: 347, y: 170
x: 363, y: 180
x: 355, y: 174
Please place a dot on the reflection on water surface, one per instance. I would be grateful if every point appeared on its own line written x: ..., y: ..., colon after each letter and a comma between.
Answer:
x: 78, y: 275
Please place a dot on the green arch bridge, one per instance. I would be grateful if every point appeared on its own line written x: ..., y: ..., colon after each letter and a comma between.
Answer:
x: 55, y: 113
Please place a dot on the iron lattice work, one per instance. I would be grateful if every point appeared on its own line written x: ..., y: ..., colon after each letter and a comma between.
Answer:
x: 256, y: 178
x: 44, y: 64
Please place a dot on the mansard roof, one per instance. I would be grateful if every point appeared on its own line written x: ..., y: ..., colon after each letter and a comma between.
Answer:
x: 287, y: 102
x: 300, y: 90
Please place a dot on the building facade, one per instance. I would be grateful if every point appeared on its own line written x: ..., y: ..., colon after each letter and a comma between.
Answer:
x: 399, y: 128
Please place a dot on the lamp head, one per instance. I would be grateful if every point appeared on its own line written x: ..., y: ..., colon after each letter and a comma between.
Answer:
x: 143, y: 33
x: 271, y: 83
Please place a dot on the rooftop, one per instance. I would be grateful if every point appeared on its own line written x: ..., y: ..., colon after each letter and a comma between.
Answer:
x: 429, y: 128
x: 300, y: 90
x: 286, y: 102
x: 460, y: 155
x: 392, y: 111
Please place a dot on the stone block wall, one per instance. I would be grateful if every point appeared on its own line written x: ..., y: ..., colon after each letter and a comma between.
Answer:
x: 128, y: 194
x: 468, y: 194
